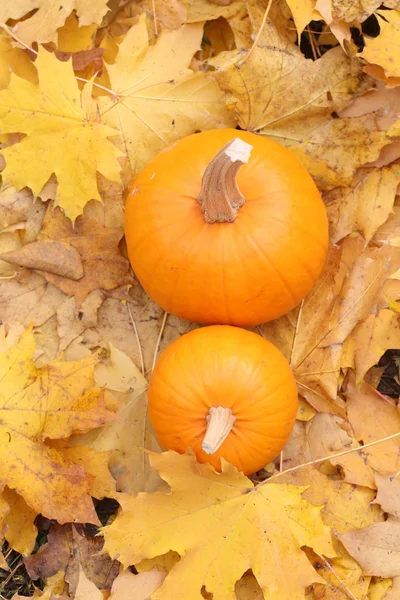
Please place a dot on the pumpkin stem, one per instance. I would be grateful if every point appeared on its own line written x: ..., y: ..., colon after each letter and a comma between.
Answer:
x: 220, y: 421
x: 220, y: 197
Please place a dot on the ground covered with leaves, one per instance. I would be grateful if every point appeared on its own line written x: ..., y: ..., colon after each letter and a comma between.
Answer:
x: 89, y: 93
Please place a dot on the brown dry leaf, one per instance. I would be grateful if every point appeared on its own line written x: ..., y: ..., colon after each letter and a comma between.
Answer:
x: 54, y: 256
x: 141, y: 585
x: 71, y: 323
x: 103, y: 265
x: 374, y: 417
x: 70, y: 549
x: 52, y: 556
x: 47, y: 403
x: 388, y: 496
x: 86, y: 555
x: 384, y: 49
x: 21, y: 532
x: 376, y: 548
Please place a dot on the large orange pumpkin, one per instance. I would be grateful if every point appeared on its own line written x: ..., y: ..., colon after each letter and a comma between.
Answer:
x: 215, y: 239
x: 225, y: 392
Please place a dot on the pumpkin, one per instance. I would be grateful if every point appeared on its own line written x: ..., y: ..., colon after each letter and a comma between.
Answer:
x: 226, y: 227
x: 224, y: 392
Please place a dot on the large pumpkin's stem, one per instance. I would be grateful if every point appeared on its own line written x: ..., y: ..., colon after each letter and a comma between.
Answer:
x: 220, y: 421
x: 220, y: 197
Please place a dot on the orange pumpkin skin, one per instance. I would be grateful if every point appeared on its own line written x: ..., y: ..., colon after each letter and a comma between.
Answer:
x: 226, y: 366
x: 242, y: 273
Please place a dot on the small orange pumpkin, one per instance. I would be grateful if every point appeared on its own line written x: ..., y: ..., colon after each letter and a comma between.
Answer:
x: 226, y: 226
x: 225, y: 392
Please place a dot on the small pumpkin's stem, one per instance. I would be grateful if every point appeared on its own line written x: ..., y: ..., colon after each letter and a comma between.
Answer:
x: 220, y: 421
x: 220, y: 197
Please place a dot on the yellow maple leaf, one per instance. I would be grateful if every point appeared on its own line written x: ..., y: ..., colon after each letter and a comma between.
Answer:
x: 279, y: 92
x: 61, y: 138
x: 42, y: 25
x: 47, y: 403
x: 221, y: 525
x: 156, y: 98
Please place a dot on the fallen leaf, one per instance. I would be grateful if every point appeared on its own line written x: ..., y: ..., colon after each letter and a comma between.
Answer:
x: 19, y: 211
x: 132, y: 434
x: 58, y: 113
x: 54, y: 256
x: 14, y: 60
x: 86, y: 590
x: 383, y: 50
x: 374, y: 417
x: 42, y: 26
x: 141, y: 585
x: 69, y: 549
x: 365, y: 206
x: 156, y: 98
x: 75, y: 37
x: 388, y: 496
x: 21, y: 532
x: 317, y: 438
x: 224, y: 525
x: 104, y: 267
x: 344, y: 145
x: 376, y: 548
x: 52, y: 556
x: 279, y: 92
x: 369, y: 340
x: 303, y: 13
x: 51, y: 402
x: 86, y: 556
x: 394, y: 591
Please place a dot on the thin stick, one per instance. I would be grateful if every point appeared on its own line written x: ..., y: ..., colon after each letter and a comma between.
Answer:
x: 342, y: 583
x: 154, y: 17
x: 159, y: 340
x: 281, y: 461
x: 8, y: 30
x: 250, y: 52
x: 320, y: 460
x: 9, y: 276
x: 137, y: 338
x: 312, y: 43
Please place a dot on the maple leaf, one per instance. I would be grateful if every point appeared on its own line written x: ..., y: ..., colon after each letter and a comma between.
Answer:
x: 14, y: 60
x: 47, y: 403
x: 61, y: 138
x: 383, y: 50
x: 278, y: 92
x: 156, y: 98
x: 223, y: 525
x: 104, y: 267
x: 21, y: 532
x: 42, y: 25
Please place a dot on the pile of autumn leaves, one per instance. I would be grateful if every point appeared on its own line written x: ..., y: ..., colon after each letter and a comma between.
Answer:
x: 80, y: 337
